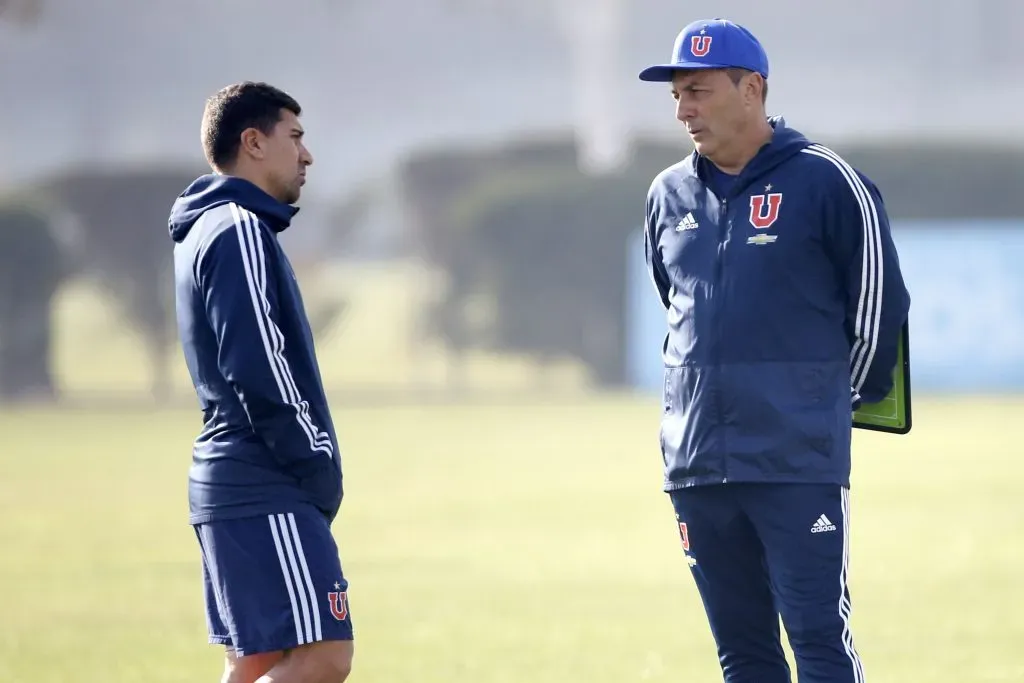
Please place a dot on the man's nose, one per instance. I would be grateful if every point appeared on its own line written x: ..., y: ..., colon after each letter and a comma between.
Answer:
x: 684, y: 110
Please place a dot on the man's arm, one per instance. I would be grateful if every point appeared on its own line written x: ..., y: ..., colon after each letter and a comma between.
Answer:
x: 655, y: 267
x: 877, y: 301
x: 237, y: 275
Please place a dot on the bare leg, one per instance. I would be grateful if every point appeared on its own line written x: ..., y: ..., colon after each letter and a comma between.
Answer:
x: 249, y: 669
x: 323, y: 662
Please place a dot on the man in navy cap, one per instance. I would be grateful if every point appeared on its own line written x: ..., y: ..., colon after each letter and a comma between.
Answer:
x: 784, y: 300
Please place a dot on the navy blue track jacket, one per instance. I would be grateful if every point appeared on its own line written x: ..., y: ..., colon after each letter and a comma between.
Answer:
x: 784, y: 299
x: 268, y: 443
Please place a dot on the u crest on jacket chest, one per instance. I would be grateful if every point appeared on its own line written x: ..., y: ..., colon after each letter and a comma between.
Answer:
x: 763, y: 223
x: 764, y: 213
x: 761, y: 215
x: 764, y: 208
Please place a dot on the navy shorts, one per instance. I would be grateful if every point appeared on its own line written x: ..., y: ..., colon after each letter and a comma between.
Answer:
x: 273, y: 582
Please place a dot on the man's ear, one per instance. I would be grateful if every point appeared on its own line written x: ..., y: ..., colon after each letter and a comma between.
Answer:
x: 252, y: 143
x: 749, y: 86
x: 757, y: 86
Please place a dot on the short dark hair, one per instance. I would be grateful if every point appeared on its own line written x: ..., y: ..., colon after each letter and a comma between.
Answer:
x: 737, y: 74
x: 235, y: 108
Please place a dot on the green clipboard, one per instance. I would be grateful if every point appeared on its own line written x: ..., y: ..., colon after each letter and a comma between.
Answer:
x: 892, y: 414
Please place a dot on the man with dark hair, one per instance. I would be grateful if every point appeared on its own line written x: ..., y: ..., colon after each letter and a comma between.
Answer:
x: 775, y: 264
x: 250, y: 109
x: 266, y: 479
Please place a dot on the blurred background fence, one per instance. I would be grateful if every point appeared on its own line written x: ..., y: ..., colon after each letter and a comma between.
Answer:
x: 481, y: 165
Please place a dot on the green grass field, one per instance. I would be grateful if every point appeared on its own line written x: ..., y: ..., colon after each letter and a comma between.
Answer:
x: 500, y: 544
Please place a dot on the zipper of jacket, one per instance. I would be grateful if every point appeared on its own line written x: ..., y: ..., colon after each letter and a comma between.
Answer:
x: 723, y: 231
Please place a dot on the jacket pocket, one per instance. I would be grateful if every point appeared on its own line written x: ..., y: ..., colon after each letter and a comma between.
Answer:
x: 689, y: 423
x: 785, y: 413
x: 671, y: 389
x: 670, y: 407
x: 814, y: 405
x: 318, y: 477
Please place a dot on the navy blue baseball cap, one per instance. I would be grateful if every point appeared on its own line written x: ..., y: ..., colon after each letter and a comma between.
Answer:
x: 711, y: 44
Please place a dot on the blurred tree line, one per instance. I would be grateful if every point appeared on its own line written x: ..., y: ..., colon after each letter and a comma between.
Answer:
x: 531, y: 248
x: 543, y: 245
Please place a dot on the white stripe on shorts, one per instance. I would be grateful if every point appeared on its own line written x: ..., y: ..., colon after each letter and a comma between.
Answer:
x: 296, y: 578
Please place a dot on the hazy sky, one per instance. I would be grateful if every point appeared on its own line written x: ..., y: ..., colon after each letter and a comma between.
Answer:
x: 121, y: 80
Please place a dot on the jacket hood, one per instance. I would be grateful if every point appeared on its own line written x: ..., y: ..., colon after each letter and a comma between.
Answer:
x: 212, y: 190
x: 785, y: 143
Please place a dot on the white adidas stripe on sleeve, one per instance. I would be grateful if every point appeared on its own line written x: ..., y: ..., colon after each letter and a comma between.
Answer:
x: 869, y: 304
x: 250, y: 239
